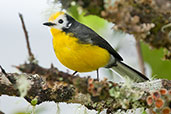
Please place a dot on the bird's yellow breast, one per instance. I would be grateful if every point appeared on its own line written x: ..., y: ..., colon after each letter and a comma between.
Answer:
x: 76, y: 56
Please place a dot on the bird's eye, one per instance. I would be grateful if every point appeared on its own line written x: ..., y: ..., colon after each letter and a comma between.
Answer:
x: 60, y: 21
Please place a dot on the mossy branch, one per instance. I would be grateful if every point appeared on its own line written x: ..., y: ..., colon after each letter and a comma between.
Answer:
x: 53, y: 85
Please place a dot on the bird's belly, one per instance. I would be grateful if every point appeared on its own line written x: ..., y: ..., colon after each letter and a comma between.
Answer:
x: 80, y: 57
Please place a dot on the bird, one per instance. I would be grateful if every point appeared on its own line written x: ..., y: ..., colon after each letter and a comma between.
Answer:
x: 81, y: 49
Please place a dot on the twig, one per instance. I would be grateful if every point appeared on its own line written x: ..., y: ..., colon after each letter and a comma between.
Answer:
x: 140, y: 57
x: 3, y: 71
x: 1, y: 112
x: 26, y: 37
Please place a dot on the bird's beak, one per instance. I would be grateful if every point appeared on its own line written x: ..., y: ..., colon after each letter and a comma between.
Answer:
x: 49, y: 24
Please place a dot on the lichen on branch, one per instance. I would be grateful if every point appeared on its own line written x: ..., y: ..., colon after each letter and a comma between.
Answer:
x: 53, y: 85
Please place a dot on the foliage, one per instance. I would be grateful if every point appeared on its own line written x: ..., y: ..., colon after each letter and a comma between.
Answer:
x: 93, y: 21
x: 160, y: 68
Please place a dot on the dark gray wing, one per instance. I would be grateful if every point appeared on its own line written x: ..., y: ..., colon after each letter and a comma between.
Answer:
x: 87, y: 35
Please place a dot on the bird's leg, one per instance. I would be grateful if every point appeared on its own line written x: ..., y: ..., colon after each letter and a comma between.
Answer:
x: 97, y: 74
x: 74, y: 73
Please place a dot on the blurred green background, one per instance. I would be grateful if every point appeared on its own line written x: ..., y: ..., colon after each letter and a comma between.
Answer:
x: 160, y: 68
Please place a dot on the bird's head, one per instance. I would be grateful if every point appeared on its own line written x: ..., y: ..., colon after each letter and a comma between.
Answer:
x: 60, y: 21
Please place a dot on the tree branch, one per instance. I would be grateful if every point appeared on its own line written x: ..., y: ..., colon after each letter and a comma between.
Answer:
x: 2, y: 70
x: 53, y: 85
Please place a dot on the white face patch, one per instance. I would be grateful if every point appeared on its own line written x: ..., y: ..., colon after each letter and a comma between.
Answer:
x: 61, y: 22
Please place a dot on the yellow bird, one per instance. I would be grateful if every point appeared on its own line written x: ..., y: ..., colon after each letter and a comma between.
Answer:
x: 81, y: 49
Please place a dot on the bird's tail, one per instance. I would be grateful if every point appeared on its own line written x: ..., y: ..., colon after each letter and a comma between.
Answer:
x: 125, y: 70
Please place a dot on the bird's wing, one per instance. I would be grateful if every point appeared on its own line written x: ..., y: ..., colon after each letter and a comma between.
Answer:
x: 87, y: 35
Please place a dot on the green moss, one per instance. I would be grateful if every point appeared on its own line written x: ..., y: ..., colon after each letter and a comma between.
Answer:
x: 94, y: 105
x: 60, y: 79
x: 112, y: 92
x: 158, y: 24
x: 34, y: 102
